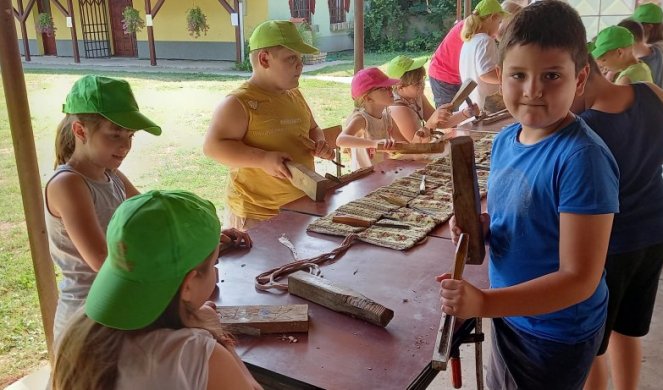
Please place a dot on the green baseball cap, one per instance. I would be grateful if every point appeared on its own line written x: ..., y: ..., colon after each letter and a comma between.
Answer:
x: 279, y: 33
x: 154, y: 240
x: 611, y: 38
x: 110, y: 98
x: 397, y: 67
x: 489, y: 7
x: 648, y: 13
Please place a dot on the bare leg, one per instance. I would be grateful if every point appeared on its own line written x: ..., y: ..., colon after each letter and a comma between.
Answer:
x: 598, y: 374
x: 625, y: 361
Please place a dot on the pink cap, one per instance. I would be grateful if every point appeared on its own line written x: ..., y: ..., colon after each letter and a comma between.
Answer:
x: 368, y: 79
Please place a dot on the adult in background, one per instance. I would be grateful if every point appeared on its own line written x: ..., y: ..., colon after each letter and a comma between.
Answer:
x: 443, y: 73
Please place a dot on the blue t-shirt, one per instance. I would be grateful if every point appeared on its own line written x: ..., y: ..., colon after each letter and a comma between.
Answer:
x: 570, y: 171
x: 635, y: 138
x: 655, y: 63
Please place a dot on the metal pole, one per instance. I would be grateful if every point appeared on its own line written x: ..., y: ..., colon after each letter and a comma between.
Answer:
x: 241, y: 29
x: 13, y: 82
x: 359, y: 35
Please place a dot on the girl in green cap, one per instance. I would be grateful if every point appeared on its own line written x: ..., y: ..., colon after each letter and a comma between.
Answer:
x: 147, y: 323
x: 479, y: 56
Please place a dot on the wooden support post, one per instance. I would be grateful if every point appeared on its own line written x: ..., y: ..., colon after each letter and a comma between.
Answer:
x: 265, y: 319
x: 359, y: 35
x: 313, y: 185
x: 466, y: 198
x: 337, y: 298
x: 150, y: 35
x: 27, y: 168
x: 74, y: 36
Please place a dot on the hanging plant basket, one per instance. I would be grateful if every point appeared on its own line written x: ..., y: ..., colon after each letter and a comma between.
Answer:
x: 196, y: 22
x: 45, y: 24
x: 131, y: 21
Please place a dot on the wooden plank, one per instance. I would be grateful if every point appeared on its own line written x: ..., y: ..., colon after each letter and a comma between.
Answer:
x: 403, y: 147
x: 463, y: 92
x: 445, y: 332
x: 359, y: 173
x: 265, y: 318
x: 338, y: 298
x: 466, y: 198
x: 313, y: 185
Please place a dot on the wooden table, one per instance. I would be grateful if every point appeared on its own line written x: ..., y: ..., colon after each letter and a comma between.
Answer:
x: 341, y: 352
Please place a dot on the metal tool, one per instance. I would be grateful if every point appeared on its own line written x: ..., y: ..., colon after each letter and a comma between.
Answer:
x: 442, y: 349
x: 310, y: 145
x: 398, y: 202
x: 422, y: 185
x: 359, y: 222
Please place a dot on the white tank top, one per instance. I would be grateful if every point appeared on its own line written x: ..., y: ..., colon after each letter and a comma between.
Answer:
x: 77, y: 276
x: 376, y: 129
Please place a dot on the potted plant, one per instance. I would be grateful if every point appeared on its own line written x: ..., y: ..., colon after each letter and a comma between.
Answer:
x: 45, y: 24
x: 131, y: 21
x: 196, y: 22
x: 309, y: 37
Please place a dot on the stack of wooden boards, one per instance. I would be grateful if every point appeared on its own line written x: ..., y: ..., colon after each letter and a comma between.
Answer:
x: 402, y: 202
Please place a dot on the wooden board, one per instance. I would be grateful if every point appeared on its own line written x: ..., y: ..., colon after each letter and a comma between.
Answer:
x: 337, y: 298
x: 265, y: 318
x: 466, y: 198
x: 313, y: 185
x: 463, y: 92
x: 407, y: 148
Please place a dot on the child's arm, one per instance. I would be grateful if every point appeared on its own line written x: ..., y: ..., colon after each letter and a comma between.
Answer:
x: 68, y: 198
x: 408, y: 123
x: 459, y: 116
x: 583, y: 247
x: 129, y: 188
x: 624, y: 80
x: 224, y: 142
x: 227, y: 371
x: 349, y: 139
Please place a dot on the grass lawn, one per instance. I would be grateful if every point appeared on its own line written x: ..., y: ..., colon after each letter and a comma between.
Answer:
x: 182, y: 105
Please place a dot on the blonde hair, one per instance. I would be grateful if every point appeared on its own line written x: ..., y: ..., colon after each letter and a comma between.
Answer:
x: 411, y: 77
x: 87, y: 354
x: 65, y: 140
x: 472, y: 25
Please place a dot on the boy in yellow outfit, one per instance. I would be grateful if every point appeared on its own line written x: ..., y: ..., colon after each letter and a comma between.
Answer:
x: 259, y: 127
x: 613, y: 50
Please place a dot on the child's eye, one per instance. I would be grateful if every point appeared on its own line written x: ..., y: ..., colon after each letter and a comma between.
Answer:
x: 517, y: 76
x: 552, y: 76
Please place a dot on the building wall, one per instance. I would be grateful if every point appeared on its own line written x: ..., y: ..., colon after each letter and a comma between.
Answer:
x: 599, y: 14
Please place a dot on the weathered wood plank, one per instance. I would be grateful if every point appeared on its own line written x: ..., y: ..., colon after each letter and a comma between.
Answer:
x: 265, y: 318
x: 314, y: 185
x: 466, y: 199
x: 403, y: 147
x: 337, y: 298
x: 463, y: 92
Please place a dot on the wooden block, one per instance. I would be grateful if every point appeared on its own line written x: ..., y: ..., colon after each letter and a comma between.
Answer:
x: 403, y: 147
x: 264, y: 318
x: 337, y: 298
x: 359, y: 173
x: 466, y: 198
x: 313, y: 185
x: 463, y: 92
x: 446, y: 329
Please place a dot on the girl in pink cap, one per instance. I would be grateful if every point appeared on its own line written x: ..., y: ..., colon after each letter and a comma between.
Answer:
x: 370, y: 123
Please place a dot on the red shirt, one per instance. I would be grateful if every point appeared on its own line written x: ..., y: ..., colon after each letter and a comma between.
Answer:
x: 444, y: 65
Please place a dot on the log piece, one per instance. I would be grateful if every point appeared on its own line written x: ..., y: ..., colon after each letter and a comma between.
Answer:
x: 265, y: 318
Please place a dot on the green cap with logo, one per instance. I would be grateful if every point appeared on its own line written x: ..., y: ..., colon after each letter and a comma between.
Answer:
x: 154, y: 240
x: 397, y: 67
x: 110, y: 98
x: 648, y: 13
x: 611, y: 38
x: 279, y: 33
x: 489, y: 7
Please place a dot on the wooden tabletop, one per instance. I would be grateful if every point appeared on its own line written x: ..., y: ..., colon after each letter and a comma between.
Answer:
x: 339, y: 351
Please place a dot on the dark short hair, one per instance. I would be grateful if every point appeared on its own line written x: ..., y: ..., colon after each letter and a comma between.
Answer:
x: 594, y: 70
x: 635, y: 28
x: 550, y: 24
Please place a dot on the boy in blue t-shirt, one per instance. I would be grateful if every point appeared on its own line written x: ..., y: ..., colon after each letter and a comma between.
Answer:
x: 552, y: 193
x: 628, y: 118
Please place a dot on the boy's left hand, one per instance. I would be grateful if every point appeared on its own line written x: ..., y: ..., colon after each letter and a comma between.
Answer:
x: 460, y: 298
x: 323, y: 150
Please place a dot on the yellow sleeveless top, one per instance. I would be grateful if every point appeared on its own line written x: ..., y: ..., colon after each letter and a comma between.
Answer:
x: 275, y: 123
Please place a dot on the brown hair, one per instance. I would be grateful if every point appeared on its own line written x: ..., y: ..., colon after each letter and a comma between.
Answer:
x: 539, y: 24
x: 512, y: 8
x: 653, y: 32
x: 88, y: 352
x: 635, y: 28
x: 411, y: 77
x: 65, y: 140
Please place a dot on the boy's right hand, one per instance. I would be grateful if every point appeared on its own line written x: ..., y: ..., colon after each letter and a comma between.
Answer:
x: 456, y: 230
x: 274, y: 164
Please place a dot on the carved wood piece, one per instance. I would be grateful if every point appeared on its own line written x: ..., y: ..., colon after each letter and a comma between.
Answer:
x: 265, y: 319
x: 466, y: 198
x: 463, y: 92
x: 307, y: 180
x: 338, y: 298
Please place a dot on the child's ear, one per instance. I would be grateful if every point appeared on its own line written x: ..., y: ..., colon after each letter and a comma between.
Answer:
x: 498, y: 69
x: 79, y: 131
x: 581, y: 80
x: 263, y: 58
x: 187, y: 285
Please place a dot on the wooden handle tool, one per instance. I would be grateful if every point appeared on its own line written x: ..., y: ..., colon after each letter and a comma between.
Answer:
x: 464, y: 91
x: 360, y: 222
x: 422, y: 185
